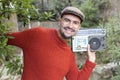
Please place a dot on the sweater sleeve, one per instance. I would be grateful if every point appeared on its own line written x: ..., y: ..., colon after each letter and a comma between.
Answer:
x: 83, y: 74
x: 21, y: 38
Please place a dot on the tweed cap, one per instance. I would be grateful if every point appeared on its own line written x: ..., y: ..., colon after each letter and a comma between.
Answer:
x: 75, y: 11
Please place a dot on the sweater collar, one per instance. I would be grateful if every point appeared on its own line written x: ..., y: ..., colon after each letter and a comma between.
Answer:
x: 59, y: 40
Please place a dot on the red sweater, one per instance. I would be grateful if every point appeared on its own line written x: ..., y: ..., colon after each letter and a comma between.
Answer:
x: 47, y: 57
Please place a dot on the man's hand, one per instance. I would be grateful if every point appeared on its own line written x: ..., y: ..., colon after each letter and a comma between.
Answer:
x: 91, y: 54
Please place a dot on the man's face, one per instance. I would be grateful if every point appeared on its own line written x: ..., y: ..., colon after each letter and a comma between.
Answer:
x: 69, y: 25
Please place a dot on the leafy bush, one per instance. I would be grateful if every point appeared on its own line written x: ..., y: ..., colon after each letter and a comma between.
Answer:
x: 92, y: 12
x: 4, y: 49
x: 4, y: 14
x: 113, y: 39
x: 112, y: 51
x: 46, y: 16
x: 25, y: 10
x: 7, y: 7
x: 116, y: 75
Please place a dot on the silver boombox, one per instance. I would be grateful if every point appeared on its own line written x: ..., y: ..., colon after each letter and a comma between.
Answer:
x: 94, y: 37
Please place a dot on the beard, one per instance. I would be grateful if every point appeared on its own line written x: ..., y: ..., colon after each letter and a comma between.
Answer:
x: 63, y: 34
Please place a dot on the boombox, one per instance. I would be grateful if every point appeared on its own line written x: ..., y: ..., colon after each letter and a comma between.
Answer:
x: 94, y: 37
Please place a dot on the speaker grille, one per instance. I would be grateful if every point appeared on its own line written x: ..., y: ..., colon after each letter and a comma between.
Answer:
x: 94, y: 43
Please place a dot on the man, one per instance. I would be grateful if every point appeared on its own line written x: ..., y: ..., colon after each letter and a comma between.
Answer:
x: 47, y: 55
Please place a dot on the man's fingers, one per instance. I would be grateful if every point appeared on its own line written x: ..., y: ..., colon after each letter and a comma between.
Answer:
x: 88, y: 47
x: 89, y: 50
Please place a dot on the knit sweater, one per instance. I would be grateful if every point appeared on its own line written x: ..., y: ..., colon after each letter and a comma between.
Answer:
x: 47, y: 56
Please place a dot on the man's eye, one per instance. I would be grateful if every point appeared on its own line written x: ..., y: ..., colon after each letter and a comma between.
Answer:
x: 67, y: 20
x: 76, y: 22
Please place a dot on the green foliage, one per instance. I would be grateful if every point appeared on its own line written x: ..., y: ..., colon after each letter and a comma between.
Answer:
x: 46, y: 16
x: 25, y: 10
x: 14, y: 66
x: 113, y: 39
x: 116, y: 75
x: 92, y: 14
x: 5, y: 9
x: 5, y: 13
x: 115, y: 78
x: 60, y: 4
x: 6, y: 52
x: 103, y: 4
x: 4, y: 49
x: 91, y: 8
x: 112, y: 51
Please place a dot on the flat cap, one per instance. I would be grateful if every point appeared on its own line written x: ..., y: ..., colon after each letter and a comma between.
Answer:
x: 75, y: 11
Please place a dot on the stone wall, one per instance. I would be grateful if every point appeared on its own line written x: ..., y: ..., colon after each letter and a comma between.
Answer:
x: 104, y: 72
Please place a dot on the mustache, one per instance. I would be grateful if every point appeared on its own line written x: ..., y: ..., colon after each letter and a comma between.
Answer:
x: 72, y: 30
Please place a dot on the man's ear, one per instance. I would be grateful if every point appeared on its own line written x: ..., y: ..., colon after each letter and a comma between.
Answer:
x: 59, y: 18
x: 79, y: 27
x: 59, y: 21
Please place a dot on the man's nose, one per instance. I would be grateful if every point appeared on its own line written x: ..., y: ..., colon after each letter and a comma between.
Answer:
x: 71, y: 25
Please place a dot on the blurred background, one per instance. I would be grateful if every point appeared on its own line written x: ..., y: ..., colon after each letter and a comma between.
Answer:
x: 17, y: 15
